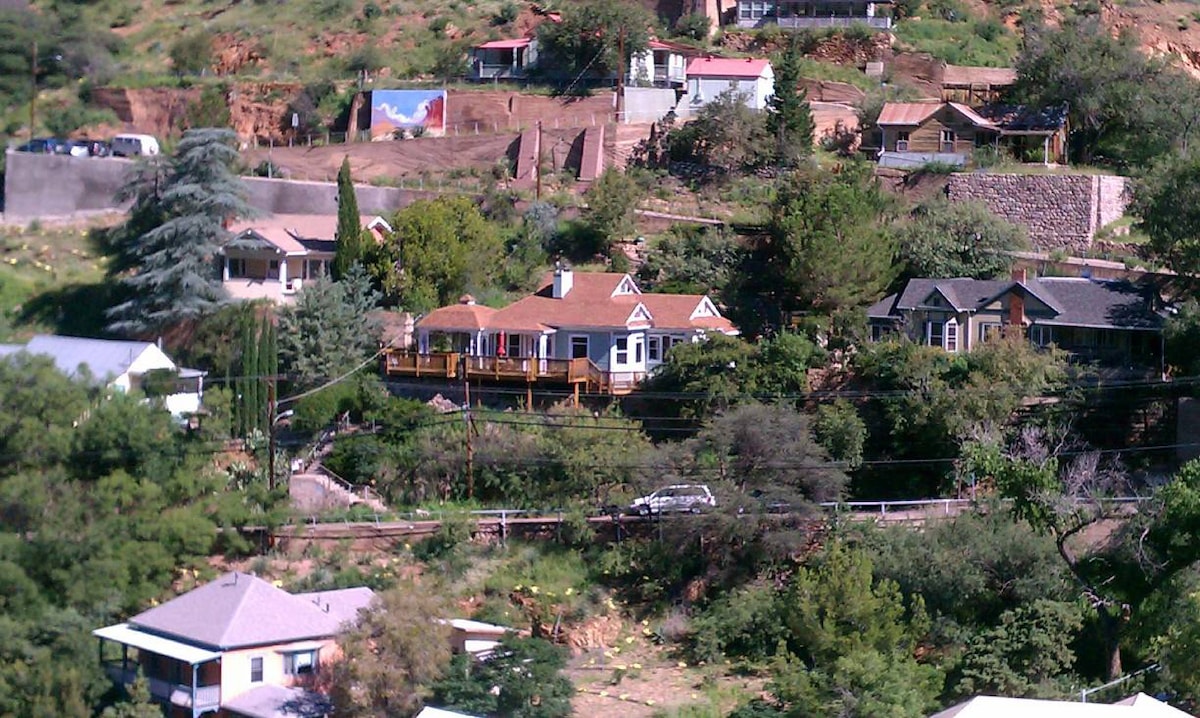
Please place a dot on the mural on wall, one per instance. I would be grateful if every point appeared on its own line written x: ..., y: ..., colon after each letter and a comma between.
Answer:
x: 393, y: 110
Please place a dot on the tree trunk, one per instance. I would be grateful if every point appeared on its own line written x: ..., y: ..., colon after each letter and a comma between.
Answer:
x: 1110, y: 627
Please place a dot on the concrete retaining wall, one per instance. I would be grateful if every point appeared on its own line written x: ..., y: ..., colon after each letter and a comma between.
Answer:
x: 1059, y: 211
x: 49, y: 186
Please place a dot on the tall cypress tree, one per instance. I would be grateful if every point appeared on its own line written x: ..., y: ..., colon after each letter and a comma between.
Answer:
x: 350, y: 245
x: 789, y: 116
x: 267, y: 364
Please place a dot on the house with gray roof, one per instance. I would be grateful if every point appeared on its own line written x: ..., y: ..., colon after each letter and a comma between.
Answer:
x: 237, y: 646
x: 1109, y: 323
x: 120, y: 365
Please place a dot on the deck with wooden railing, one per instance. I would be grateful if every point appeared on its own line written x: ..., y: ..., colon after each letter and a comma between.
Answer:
x: 531, y: 370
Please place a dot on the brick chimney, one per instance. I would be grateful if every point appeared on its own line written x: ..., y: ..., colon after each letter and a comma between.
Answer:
x: 564, y: 279
x: 1016, y: 306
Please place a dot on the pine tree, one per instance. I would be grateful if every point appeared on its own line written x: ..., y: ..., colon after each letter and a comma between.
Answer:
x: 350, y: 245
x: 789, y: 116
x: 174, y: 275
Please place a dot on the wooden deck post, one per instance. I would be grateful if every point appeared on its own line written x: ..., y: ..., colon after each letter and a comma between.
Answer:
x: 528, y: 397
x: 576, y: 385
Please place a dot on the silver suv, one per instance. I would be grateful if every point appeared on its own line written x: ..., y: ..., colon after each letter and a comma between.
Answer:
x: 679, y: 497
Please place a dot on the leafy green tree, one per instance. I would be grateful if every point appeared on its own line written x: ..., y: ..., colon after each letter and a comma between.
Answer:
x: 1182, y: 335
x: 690, y: 259
x: 1028, y: 655
x: 191, y: 53
x: 611, y: 202
x: 725, y: 135
x: 210, y: 109
x: 328, y: 331
x: 440, y: 249
x: 522, y: 679
x: 841, y: 431
x: 138, y: 705
x: 37, y: 405
x: 587, y: 41
x: 957, y: 239
x: 789, y: 116
x: 352, y: 245
x: 1107, y: 83
x: 705, y: 371
x: 826, y: 250
x: 398, y: 649
x: 175, y: 277
x: 1164, y: 201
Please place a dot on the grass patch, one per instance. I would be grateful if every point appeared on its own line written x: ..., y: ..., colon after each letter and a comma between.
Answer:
x: 982, y: 42
x: 818, y: 70
x: 50, y: 280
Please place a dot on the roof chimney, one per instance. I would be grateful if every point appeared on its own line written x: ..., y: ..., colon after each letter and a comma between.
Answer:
x: 1018, y: 274
x: 564, y: 279
x: 466, y: 299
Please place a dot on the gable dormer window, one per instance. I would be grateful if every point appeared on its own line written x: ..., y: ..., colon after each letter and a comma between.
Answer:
x: 625, y: 287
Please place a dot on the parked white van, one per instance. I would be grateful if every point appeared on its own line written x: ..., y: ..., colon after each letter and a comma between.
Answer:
x: 134, y: 145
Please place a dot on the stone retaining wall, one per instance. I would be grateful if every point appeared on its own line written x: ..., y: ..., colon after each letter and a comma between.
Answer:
x: 1059, y: 211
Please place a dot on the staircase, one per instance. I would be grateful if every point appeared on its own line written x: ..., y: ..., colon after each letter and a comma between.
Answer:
x: 317, y: 488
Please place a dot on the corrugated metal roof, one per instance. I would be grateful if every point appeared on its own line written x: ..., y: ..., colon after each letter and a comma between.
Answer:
x: 104, y: 358
x: 909, y: 114
x: 727, y: 67
x: 505, y: 44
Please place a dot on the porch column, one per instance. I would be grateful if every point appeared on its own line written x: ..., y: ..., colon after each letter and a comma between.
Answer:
x: 283, y: 271
x: 543, y: 346
x: 225, y: 269
x: 422, y: 341
x: 195, y: 680
x: 1046, y: 150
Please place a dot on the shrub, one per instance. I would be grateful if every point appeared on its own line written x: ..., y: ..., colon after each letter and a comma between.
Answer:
x: 191, y: 53
x: 694, y: 26
x: 507, y: 13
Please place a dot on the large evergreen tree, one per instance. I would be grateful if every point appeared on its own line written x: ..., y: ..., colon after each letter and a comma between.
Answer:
x: 174, y: 276
x: 328, y: 331
x: 351, y: 248
x: 789, y: 116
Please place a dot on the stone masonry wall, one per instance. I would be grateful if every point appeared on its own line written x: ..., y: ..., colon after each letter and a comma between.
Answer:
x: 1059, y: 211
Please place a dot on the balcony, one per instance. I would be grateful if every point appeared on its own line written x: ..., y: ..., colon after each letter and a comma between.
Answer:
x: 795, y: 23
x: 488, y: 71
x: 208, y: 698
x: 531, y: 370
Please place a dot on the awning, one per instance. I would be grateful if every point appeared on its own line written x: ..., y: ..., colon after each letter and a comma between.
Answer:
x: 125, y: 634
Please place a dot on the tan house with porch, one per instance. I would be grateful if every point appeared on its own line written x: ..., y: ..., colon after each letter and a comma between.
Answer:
x: 272, y: 257
x: 237, y: 646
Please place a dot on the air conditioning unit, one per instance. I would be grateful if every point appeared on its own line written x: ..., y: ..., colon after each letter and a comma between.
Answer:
x: 902, y: 145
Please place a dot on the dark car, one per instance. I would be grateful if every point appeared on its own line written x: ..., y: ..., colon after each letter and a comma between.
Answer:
x: 40, y: 145
x: 85, y: 148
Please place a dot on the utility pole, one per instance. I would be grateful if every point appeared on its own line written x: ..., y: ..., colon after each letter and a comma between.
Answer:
x: 620, y: 73
x: 470, y: 427
x: 33, y: 82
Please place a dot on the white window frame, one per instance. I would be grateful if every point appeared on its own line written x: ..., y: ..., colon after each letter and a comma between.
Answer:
x: 988, y: 332
x: 902, y: 140
x: 260, y: 669
x: 292, y: 666
x: 237, y: 267
x: 950, y: 336
x: 621, y: 355
x: 948, y: 137
x: 654, y: 352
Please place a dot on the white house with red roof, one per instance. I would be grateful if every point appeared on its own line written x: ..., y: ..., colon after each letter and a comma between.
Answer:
x: 595, y: 330
x: 707, y: 77
x: 272, y: 257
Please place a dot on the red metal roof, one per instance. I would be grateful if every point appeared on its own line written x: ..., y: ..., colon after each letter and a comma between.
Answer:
x: 505, y: 44
x: 727, y: 67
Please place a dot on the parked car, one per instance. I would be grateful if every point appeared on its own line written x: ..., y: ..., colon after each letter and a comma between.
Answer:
x: 679, y: 497
x: 40, y: 145
x: 134, y: 145
x: 76, y: 148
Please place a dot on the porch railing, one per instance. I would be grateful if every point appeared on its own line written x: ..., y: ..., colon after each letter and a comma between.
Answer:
x: 180, y: 694
x: 449, y: 365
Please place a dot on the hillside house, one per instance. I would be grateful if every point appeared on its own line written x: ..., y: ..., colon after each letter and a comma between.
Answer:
x: 1116, y: 324
x: 1138, y: 705
x: 814, y: 13
x: 504, y: 59
x: 662, y: 64
x: 593, y: 332
x: 707, y: 77
x: 122, y: 366
x: 920, y: 133
x: 237, y: 646
x: 272, y: 257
